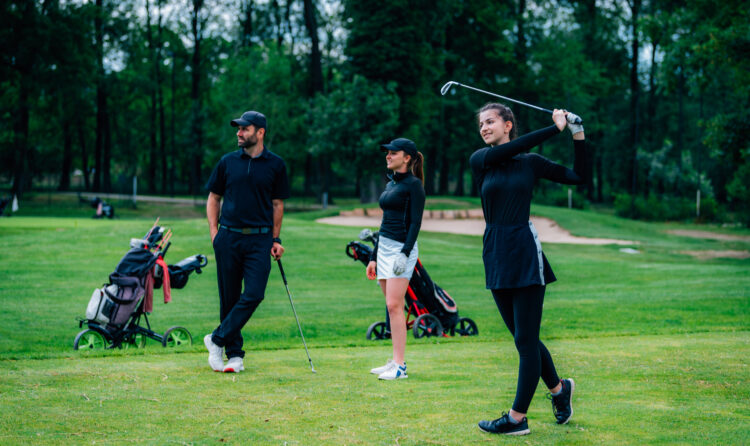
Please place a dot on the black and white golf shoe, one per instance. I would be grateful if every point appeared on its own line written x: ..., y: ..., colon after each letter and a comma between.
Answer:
x: 562, y: 404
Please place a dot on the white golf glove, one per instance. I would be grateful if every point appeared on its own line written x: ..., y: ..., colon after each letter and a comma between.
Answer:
x: 399, y: 266
x: 574, y: 128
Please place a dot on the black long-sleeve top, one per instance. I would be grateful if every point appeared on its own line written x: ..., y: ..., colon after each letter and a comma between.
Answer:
x: 505, y: 177
x: 402, y: 202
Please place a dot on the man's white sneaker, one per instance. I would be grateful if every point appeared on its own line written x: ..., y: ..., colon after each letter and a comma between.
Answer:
x: 381, y: 369
x: 215, y: 354
x: 234, y: 365
x: 395, y: 372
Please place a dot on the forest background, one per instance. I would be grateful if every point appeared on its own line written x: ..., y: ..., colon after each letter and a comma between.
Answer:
x: 94, y: 93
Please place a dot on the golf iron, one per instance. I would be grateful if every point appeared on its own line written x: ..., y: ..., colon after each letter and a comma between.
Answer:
x: 572, y: 118
x: 283, y: 277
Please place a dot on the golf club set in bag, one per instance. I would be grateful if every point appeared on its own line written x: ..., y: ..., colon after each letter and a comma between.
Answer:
x: 115, y: 310
x: 434, y: 310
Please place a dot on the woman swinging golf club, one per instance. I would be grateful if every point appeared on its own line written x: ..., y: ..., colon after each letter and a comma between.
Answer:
x: 516, y: 270
x: 395, y: 254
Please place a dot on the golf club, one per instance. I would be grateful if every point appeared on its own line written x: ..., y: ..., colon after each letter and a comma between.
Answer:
x: 283, y: 276
x: 572, y: 118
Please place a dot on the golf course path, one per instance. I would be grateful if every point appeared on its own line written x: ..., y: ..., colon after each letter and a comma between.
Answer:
x: 549, y: 231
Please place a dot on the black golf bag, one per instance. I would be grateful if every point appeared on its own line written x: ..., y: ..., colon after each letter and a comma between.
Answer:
x: 115, y: 310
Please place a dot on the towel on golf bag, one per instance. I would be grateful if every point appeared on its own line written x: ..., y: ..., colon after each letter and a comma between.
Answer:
x: 148, y: 303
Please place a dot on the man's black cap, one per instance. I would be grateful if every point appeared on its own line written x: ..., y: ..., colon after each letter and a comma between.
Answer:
x: 404, y: 144
x: 250, y: 118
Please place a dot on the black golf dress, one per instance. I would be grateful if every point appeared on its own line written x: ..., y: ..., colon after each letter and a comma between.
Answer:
x: 505, y: 177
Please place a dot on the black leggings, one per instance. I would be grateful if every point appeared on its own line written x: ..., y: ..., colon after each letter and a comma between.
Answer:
x: 521, y: 309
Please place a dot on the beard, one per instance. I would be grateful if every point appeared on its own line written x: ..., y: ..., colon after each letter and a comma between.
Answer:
x: 249, y: 142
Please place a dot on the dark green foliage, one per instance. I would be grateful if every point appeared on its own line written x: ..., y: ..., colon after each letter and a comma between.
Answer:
x: 666, y: 208
x: 157, y: 106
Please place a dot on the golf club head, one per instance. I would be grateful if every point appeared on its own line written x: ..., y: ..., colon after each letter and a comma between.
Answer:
x: 365, y: 234
x: 447, y: 87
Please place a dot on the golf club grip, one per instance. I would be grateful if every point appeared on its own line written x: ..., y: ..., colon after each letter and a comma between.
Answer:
x: 281, y: 270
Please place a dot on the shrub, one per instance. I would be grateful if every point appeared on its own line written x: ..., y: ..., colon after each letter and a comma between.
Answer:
x: 664, y: 207
x: 558, y: 196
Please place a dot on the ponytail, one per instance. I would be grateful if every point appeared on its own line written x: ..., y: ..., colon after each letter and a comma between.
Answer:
x: 416, y: 165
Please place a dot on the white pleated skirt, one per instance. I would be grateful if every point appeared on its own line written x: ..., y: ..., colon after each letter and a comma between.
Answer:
x: 388, y: 251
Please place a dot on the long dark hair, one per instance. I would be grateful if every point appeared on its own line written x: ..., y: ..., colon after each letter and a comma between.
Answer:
x: 416, y: 165
x: 505, y: 112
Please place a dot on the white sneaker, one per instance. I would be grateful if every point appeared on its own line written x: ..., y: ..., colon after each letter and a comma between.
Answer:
x: 234, y: 365
x: 381, y: 369
x: 215, y: 354
x: 395, y: 372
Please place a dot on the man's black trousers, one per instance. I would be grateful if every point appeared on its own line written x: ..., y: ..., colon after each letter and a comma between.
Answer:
x: 521, y: 309
x: 239, y: 257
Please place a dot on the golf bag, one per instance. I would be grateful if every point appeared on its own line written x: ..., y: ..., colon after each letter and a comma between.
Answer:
x: 434, y: 310
x: 103, y: 209
x: 115, y: 310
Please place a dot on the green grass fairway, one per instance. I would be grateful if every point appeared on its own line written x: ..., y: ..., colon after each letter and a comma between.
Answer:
x: 656, y: 341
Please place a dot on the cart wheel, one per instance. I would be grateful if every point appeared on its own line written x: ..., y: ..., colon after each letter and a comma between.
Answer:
x: 177, y: 337
x: 466, y: 327
x: 377, y: 332
x: 136, y: 340
x: 427, y: 325
x: 90, y: 340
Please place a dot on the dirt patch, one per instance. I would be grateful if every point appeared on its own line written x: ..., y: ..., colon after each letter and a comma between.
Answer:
x: 709, y: 235
x: 728, y: 254
x: 549, y: 231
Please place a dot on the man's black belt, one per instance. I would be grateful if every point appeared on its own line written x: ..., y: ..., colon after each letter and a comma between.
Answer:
x: 249, y: 230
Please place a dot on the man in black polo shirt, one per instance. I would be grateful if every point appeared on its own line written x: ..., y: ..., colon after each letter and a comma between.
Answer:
x: 253, y: 184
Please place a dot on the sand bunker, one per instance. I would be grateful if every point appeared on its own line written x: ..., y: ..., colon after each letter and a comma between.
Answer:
x: 549, y: 231
x: 709, y: 235
x: 711, y: 254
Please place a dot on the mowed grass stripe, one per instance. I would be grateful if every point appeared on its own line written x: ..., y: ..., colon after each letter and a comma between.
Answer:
x: 635, y: 390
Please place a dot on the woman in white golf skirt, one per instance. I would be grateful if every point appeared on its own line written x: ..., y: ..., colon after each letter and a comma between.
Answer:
x: 396, y: 252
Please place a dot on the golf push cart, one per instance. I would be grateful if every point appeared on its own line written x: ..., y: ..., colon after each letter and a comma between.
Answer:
x: 434, y: 311
x: 115, y: 311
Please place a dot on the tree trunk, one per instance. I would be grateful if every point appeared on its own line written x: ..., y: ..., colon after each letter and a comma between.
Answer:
x: 107, y: 157
x: 84, y: 155
x: 172, y: 150
x: 101, y: 96
x: 160, y: 103
x: 67, y: 159
x: 24, y: 64
x: 316, y: 71
x: 590, y: 31
x: 520, y: 53
x: 429, y: 170
x: 316, y: 83
x: 680, y: 113
x: 444, y: 174
x: 635, y: 6
x: 246, y: 28
x: 21, y: 137
x: 152, y: 152
x: 279, y: 25
x: 197, y: 107
x: 459, y: 192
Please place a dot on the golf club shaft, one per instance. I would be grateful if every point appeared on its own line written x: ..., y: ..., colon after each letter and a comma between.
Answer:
x: 288, y: 293
x: 504, y: 97
x: 448, y: 85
